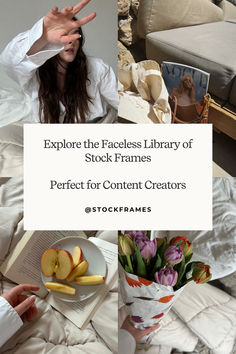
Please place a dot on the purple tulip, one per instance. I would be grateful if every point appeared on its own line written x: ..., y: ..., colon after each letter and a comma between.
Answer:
x: 139, y: 237
x: 148, y: 249
x: 166, y: 276
x: 137, y: 234
x: 173, y: 255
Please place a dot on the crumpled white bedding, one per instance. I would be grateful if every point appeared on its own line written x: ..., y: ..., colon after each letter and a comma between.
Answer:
x: 11, y: 150
x: 51, y: 332
x: 11, y: 192
x: 15, y: 106
x: 218, y: 246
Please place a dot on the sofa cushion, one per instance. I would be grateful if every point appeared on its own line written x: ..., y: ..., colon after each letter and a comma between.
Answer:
x: 159, y: 15
x: 232, y: 98
x: 229, y: 10
x: 210, y: 47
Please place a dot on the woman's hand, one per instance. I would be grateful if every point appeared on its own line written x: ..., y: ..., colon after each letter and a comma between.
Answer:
x: 58, y: 25
x: 21, y: 303
x: 138, y: 334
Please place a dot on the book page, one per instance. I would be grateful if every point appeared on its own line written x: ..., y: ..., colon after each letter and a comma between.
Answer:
x: 80, y: 313
x: 108, y: 249
x: 23, y: 264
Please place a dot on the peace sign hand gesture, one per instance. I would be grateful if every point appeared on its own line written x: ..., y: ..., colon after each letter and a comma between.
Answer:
x: 58, y: 25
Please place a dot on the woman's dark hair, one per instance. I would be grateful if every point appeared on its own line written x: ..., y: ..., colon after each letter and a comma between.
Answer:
x: 75, y: 96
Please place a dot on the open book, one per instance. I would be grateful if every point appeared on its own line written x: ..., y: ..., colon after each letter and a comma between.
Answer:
x: 23, y: 266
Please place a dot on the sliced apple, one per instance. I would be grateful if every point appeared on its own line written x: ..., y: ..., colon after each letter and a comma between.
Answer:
x: 77, y: 255
x: 64, y: 264
x: 49, y: 262
x: 90, y: 280
x: 59, y: 262
x: 81, y: 269
x: 60, y: 287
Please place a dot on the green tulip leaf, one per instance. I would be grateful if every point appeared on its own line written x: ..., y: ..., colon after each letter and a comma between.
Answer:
x: 127, y: 269
x: 188, y: 258
x: 156, y: 266
x: 122, y: 260
x: 141, y: 268
x: 162, y: 248
x: 149, y: 234
x: 180, y: 273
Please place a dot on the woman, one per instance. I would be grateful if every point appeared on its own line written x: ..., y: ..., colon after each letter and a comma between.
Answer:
x: 49, y: 64
x: 185, y: 93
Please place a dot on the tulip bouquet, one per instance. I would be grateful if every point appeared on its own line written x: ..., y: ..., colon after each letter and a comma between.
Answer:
x: 153, y: 273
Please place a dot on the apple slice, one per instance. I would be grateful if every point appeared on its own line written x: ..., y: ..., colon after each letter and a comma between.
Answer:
x: 59, y: 262
x: 64, y: 264
x: 60, y: 287
x: 77, y: 255
x: 49, y: 262
x: 90, y: 280
x: 81, y: 269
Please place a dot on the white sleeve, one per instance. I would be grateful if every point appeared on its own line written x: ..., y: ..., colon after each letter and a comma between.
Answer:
x: 10, y: 321
x: 17, y: 64
x: 126, y: 342
x: 108, y: 87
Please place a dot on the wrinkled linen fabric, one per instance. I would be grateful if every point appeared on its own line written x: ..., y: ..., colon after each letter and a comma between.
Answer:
x: 141, y: 86
x: 11, y: 192
x: 217, y: 247
x: 11, y: 230
x: 11, y: 150
x: 50, y: 331
x: 127, y: 342
x: 15, y: 106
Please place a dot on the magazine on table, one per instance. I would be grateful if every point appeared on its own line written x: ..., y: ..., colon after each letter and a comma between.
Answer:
x: 23, y: 266
x: 186, y: 83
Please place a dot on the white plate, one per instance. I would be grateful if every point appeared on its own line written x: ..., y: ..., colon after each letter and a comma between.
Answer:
x: 97, y: 266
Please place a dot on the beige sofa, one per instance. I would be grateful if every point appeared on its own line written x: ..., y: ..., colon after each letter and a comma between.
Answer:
x: 198, y: 33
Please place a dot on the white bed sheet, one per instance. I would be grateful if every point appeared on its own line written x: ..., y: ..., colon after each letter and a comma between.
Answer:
x: 11, y: 150
x: 217, y: 247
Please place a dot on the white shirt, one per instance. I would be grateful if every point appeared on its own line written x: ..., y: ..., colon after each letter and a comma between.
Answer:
x: 10, y: 321
x: 126, y: 342
x: 22, y: 68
